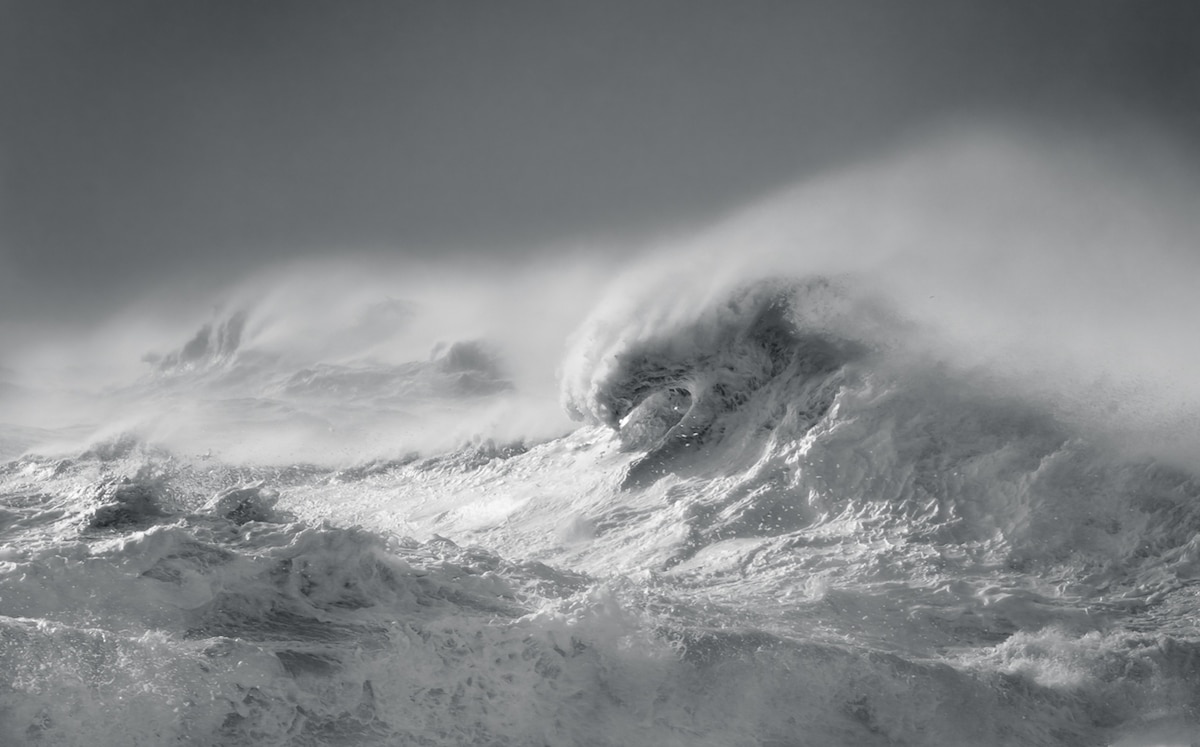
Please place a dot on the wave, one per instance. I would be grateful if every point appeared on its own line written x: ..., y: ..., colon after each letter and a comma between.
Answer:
x: 210, y: 346
x: 232, y: 354
x: 788, y: 406
x: 458, y: 370
x: 740, y: 368
x: 249, y: 387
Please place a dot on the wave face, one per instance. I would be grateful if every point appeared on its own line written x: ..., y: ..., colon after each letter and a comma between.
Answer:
x: 756, y: 363
x: 788, y: 513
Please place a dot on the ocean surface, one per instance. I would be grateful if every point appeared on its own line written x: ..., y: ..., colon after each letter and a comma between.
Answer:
x: 779, y: 509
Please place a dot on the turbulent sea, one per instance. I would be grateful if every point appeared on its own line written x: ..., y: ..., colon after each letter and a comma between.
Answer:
x: 768, y: 511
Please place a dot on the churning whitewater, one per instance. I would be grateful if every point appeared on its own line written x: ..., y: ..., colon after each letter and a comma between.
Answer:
x: 783, y: 511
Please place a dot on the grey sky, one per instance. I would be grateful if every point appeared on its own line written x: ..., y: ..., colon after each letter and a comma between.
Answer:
x: 144, y: 140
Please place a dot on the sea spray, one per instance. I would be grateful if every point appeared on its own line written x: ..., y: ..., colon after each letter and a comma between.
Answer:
x: 828, y: 485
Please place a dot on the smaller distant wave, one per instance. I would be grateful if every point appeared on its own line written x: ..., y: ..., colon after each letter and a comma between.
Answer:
x: 257, y: 385
x: 213, y: 344
x: 461, y: 369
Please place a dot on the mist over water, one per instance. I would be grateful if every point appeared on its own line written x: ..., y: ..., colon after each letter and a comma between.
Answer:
x: 1060, y: 262
x: 901, y: 455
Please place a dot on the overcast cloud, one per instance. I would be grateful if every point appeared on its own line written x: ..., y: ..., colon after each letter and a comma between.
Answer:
x: 145, y: 141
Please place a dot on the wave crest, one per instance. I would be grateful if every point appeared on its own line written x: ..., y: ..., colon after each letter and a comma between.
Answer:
x: 766, y: 352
